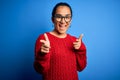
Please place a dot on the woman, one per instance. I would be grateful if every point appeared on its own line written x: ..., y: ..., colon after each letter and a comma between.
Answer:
x: 58, y: 55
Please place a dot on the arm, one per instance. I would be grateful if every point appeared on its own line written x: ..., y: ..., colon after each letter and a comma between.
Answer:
x: 42, y: 60
x: 80, y: 51
x: 81, y: 57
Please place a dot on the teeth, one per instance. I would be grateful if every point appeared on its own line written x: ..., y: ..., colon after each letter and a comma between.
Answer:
x: 62, y: 26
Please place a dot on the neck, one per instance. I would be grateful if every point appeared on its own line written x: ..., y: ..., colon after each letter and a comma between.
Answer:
x: 60, y: 35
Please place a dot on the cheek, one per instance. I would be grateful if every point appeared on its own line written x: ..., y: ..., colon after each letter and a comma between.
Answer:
x: 56, y: 24
x: 68, y: 24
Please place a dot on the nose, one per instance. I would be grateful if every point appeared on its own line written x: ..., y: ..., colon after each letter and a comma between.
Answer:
x: 62, y: 20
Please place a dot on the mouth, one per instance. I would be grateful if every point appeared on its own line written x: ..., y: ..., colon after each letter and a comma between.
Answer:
x: 62, y: 27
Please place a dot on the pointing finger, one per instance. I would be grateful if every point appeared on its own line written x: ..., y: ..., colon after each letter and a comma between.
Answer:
x: 80, y: 38
x: 46, y: 37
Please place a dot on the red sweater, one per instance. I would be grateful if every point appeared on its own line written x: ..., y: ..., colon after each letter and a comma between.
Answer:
x: 63, y: 61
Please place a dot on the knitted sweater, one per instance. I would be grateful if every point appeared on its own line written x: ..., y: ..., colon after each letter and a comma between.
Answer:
x: 63, y: 61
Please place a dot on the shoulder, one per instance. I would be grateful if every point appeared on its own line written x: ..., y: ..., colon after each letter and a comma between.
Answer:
x: 69, y: 35
x: 73, y: 38
x: 41, y: 36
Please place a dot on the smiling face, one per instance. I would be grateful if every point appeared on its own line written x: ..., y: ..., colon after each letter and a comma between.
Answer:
x: 62, y: 19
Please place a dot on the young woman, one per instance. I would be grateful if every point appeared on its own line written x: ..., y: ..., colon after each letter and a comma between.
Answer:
x: 58, y: 55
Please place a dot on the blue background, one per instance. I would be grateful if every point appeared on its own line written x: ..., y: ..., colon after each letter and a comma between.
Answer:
x: 21, y: 22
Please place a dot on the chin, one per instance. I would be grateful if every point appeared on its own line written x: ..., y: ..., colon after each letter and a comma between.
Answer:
x: 62, y: 32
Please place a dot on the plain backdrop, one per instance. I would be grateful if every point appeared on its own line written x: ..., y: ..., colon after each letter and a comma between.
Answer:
x: 22, y: 21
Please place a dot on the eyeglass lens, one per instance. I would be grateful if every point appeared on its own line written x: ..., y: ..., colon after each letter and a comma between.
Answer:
x: 59, y: 17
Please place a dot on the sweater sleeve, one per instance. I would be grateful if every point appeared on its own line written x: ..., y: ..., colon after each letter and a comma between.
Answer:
x: 81, y: 57
x: 42, y: 61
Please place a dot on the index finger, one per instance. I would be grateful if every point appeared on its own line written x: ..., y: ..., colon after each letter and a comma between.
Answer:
x: 46, y: 37
x: 80, y: 37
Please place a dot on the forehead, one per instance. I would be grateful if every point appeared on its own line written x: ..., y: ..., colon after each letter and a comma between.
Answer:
x: 63, y: 10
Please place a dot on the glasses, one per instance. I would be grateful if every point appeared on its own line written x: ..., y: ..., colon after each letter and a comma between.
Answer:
x: 59, y: 17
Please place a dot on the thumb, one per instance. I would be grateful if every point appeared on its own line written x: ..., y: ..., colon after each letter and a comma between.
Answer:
x: 80, y: 37
x: 42, y: 41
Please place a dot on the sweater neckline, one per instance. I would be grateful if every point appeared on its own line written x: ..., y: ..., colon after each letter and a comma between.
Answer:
x: 56, y: 36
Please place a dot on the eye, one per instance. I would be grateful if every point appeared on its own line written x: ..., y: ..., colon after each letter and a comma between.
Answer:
x: 67, y: 17
x: 58, y: 16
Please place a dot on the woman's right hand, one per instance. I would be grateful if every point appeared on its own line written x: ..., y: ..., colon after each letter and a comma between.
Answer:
x: 45, y: 44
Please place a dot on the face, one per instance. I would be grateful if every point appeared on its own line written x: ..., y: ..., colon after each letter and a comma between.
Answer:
x: 62, y: 19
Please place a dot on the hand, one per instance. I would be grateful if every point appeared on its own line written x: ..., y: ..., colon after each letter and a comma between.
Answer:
x: 45, y: 44
x: 77, y: 43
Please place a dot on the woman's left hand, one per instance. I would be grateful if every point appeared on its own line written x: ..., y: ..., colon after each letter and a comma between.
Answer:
x: 77, y: 43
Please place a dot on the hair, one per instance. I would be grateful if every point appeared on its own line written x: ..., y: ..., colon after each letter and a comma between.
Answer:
x: 60, y: 4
